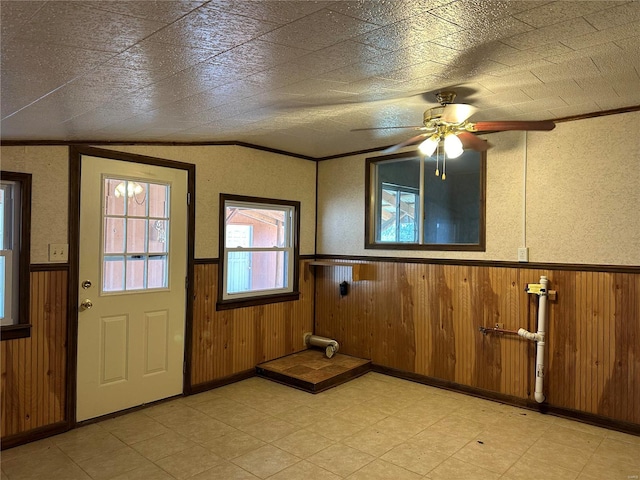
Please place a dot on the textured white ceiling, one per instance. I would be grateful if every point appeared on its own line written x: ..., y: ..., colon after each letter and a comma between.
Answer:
x: 297, y: 76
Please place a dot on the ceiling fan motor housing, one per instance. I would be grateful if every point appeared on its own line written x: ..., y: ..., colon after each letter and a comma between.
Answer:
x: 445, y: 97
x: 431, y: 117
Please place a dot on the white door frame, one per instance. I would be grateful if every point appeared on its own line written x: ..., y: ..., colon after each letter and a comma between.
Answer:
x: 75, y: 163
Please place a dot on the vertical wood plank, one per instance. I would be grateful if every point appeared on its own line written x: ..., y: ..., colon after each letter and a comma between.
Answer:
x: 609, y: 347
x: 3, y: 386
x: 633, y: 338
x: 581, y: 309
x: 592, y: 327
x: 33, y: 368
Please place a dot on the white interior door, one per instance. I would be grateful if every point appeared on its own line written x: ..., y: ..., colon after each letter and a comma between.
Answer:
x: 132, y: 272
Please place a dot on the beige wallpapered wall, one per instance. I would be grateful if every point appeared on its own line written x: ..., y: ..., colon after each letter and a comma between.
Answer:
x: 226, y: 169
x: 49, y: 167
x: 583, y: 197
x: 241, y: 171
x: 582, y: 193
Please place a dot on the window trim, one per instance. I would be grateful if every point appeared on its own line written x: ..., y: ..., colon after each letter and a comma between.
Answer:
x: 22, y: 328
x: 257, y: 298
x: 370, y: 211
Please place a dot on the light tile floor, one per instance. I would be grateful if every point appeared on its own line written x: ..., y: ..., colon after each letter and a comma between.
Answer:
x: 373, y: 427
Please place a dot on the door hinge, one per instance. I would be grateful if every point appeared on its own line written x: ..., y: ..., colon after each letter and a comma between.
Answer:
x: 186, y: 283
x: 184, y: 368
x: 188, y: 198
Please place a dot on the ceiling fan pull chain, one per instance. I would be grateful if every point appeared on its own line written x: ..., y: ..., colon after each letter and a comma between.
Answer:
x: 437, y: 159
x: 444, y: 165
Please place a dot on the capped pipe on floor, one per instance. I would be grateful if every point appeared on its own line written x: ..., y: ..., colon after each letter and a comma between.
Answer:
x: 330, y: 346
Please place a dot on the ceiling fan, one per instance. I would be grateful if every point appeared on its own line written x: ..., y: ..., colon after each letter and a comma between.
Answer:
x: 449, y: 123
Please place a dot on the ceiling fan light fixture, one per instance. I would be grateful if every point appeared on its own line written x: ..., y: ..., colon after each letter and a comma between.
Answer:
x: 452, y: 145
x: 429, y: 145
x: 131, y: 189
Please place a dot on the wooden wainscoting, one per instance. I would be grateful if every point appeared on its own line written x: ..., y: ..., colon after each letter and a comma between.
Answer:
x: 424, y: 319
x: 229, y: 342
x: 33, y: 369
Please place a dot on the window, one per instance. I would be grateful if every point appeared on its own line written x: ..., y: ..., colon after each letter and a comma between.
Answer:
x: 410, y: 207
x: 15, y: 234
x: 398, y: 213
x: 135, y: 221
x: 258, y: 251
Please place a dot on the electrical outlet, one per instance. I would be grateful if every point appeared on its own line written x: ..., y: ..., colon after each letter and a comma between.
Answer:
x: 58, y: 252
x: 523, y: 254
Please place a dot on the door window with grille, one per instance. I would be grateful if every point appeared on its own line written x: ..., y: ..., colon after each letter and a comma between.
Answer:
x: 135, y: 233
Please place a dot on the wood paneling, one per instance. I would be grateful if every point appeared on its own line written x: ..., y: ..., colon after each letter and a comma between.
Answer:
x: 33, y: 368
x: 425, y: 318
x: 228, y: 342
x: 417, y: 318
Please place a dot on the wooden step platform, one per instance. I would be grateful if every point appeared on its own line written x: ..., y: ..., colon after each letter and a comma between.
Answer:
x: 311, y: 371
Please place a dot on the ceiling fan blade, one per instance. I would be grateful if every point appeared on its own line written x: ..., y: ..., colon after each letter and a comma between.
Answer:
x: 414, y: 127
x: 469, y: 140
x: 406, y: 143
x: 500, y: 126
x: 457, y: 112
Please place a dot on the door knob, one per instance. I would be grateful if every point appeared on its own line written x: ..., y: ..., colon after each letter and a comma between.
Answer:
x: 86, y: 304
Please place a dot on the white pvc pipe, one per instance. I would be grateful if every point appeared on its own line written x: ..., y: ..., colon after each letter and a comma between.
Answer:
x: 542, y: 327
x: 539, y: 337
x: 529, y: 335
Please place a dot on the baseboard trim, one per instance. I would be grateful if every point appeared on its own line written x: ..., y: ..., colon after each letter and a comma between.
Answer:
x: 33, y: 435
x: 221, y: 382
x: 584, y: 417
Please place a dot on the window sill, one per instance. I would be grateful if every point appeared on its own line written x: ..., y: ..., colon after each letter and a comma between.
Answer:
x: 451, y: 247
x: 254, y: 301
x: 13, y: 332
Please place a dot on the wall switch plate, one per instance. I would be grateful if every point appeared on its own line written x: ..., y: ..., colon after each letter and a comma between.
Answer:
x: 523, y: 254
x: 58, y: 252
